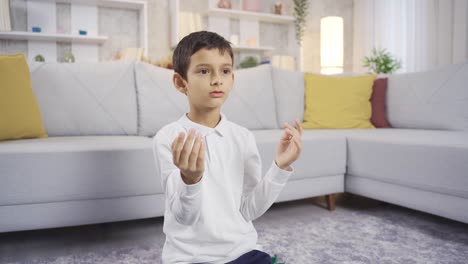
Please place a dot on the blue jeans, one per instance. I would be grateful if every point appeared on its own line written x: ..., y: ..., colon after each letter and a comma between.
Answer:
x: 253, y: 257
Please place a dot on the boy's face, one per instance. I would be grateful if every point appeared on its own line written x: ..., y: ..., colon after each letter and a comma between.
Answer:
x: 208, y: 71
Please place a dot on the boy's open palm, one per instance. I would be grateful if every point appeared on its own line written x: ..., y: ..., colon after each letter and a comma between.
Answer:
x: 188, y: 157
x: 290, y: 145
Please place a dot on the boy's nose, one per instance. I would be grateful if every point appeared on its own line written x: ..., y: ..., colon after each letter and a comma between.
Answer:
x: 216, y: 81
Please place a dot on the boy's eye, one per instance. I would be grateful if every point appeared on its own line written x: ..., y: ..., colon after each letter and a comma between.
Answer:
x: 227, y: 71
x: 204, y: 71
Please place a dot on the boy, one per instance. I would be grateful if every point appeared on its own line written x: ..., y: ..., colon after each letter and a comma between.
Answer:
x: 212, y: 178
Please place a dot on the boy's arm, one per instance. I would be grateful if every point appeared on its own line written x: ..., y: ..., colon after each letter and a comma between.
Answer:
x: 260, y: 193
x: 183, y: 200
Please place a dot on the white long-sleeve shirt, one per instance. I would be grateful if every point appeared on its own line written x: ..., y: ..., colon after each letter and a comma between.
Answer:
x: 211, y: 221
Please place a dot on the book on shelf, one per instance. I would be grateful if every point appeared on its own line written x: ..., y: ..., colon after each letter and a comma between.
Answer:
x: 5, y: 22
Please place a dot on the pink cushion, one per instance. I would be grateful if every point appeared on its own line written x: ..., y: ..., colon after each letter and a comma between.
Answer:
x: 379, y: 114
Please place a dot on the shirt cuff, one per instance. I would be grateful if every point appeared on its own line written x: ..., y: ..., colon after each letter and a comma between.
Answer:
x: 189, y: 190
x: 278, y: 175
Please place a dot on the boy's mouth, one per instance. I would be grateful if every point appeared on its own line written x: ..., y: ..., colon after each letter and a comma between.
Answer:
x: 216, y: 94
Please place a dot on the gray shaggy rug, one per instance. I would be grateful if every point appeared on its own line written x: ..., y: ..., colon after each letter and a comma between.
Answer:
x: 360, y: 230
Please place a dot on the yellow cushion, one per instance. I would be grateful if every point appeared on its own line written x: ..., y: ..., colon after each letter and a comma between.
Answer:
x: 338, y: 102
x: 19, y: 112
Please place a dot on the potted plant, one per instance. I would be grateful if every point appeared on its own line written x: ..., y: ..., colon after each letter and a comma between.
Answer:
x: 381, y: 61
x: 248, y: 62
x: 69, y: 57
x: 300, y: 14
x: 39, y: 58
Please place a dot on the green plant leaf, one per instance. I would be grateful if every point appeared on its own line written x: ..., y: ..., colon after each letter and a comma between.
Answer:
x: 300, y: 14
x: 381, y: 61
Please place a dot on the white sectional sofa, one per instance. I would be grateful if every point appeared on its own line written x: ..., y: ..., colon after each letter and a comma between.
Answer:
x: 97, y: 164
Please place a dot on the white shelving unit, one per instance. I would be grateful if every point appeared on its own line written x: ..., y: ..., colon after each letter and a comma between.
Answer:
x: 252, y: 49
x: 240, y: 14
x: 83, y: 16
x: 21, y: 35
x: 219, y: 21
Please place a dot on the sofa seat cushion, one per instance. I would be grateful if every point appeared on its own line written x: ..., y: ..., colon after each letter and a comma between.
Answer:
x: 430, y: 160
x: 322, y: 154
x: 75, y: 168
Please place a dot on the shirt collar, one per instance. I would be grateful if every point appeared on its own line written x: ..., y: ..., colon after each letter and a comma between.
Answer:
x: 220, y: 128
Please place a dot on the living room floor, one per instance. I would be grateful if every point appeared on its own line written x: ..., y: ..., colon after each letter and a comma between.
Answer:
x: 360, y: 230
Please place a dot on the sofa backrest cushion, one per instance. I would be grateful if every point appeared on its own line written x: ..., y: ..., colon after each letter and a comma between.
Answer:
x: 251, y: 102
x: 78, y: 99
x: 159, y: 103
x: 289, y: 94
x: 378, y: 99
x: 436, y: 99
x: 338, y: 102
x: 20, y: 116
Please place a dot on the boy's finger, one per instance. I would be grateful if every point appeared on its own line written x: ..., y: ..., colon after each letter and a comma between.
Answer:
x: 298, y: 142
x: 177, y: 139
x: 177, y: 147
x: 293, y: 129
x: 192, y: 162
x: 185, y: 153
x: 299, y: 126
x: 201, y: 157
x: 298, y: 146
x: 285, y: 135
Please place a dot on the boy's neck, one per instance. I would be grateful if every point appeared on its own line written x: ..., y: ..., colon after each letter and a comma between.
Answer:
x: 209, y: 119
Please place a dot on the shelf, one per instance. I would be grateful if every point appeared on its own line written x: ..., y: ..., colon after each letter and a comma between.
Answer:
x: 239, y: 14
x: 130, y: 4
x: 246, y: 48
x: 221, y: 21
x: 23, y: 35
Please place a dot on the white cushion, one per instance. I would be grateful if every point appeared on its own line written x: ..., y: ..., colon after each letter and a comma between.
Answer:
x: 435, y: 99
x: 251, y: 102
x: 322, y: 154
x: 430, y: 160
x: 289, y: 94
x: 159, y: 102
x: 58, y: 169
x: 86, y: 98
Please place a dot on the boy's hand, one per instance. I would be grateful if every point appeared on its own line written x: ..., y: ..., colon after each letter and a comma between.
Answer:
x: 290, y: 145
x: 190, y: 159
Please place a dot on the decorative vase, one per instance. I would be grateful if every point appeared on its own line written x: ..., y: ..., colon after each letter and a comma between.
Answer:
x: 278, y: 8
x: 224, y: 4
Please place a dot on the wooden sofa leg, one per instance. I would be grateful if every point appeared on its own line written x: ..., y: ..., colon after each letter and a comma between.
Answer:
x: 330, y: 201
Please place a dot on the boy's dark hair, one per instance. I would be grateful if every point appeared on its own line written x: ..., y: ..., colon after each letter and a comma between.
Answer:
x: 193, y: 43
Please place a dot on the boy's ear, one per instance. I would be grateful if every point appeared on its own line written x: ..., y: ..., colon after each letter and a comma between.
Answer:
x: 179, y: 83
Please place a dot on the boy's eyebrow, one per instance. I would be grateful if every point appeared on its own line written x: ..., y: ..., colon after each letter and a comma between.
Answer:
x: 206, y: 64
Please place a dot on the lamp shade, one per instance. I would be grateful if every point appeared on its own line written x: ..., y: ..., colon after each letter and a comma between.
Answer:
x: 331, y: 45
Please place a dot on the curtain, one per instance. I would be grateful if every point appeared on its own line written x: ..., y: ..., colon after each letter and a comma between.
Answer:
x: 423, y: 34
